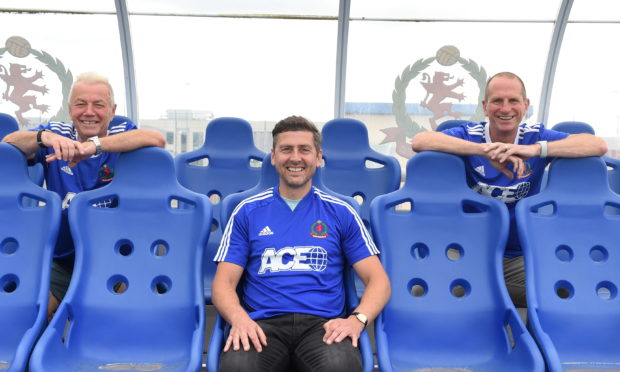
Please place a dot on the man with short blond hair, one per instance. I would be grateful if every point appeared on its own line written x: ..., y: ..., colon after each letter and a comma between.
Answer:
x: 79, y: 156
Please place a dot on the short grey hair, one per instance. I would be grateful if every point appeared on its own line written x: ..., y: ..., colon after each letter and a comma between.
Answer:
x: 93, y: 78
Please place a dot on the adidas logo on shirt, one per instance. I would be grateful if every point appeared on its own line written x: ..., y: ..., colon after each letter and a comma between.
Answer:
x: 265, y: 231
x: 67, y: 170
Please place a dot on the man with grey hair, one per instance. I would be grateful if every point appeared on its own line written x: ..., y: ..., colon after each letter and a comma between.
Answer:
x: 79, y: 156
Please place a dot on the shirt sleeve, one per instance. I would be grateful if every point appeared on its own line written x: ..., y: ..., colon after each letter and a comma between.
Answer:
x: 458, y: 132
x: 234, y: 245
x: 552, y: 135
x: 356, y: 241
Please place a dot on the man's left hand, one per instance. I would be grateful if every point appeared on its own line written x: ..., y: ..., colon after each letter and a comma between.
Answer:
x: 338, y: 329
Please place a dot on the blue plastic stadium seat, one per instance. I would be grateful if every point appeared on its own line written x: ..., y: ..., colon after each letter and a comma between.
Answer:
x: 570, y: 233
x: 269, y: 178
x: 442, y: 246
x: 450, y: 124
x: 120, y: 119
x: 25, y: 258
x: 230, y: 152
x: 353, y: 168
x: 8, y: 124
x: 573, y: 127
x: 135, y: 301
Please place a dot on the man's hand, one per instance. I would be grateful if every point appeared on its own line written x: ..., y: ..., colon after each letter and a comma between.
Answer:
x: 243, y: 332
x: 338, y: 329
x: 500, y: 154
x: 67, y: 149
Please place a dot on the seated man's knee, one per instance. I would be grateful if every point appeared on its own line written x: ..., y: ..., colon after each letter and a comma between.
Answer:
x: 238, y: 361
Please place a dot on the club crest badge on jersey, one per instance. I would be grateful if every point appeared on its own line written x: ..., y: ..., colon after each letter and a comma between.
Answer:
x: 106, y: 174
x: 319, y: 230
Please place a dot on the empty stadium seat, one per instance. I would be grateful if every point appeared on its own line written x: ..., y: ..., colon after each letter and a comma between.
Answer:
x: 442, y: 246
x: 135, y: 301
x: 353, y: 168
x: 230, y: 153
x: 29, y: 221
x: 569, y: 234
x: 573, y: 127
x: 450, y: 124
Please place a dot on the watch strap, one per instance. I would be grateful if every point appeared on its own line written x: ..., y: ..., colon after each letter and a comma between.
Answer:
x: 39, y: 139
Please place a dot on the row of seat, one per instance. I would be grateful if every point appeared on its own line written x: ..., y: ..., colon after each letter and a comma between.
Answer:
x: 135, y: 305
x: 430, y: 176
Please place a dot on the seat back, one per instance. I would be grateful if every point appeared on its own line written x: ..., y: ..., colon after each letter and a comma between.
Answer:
x: 442, y: 246
x: 230, y: 155
x: 573, y: 127
x: 450, y: 124
x: 353, y: 168
x: 25, y: 257
x: 136, y: 293
x: 8, y: 124
x: 570, y: 233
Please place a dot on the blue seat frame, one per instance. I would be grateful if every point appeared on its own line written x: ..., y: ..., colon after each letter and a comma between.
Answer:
x: 230, y: 152
x: 569, y: 234
x: 135, y: 301
x: 347, y: 152
x: 25, y: 258
x: 442, y: 246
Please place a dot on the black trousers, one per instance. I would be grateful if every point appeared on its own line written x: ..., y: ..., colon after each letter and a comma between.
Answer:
x: 294, y: 343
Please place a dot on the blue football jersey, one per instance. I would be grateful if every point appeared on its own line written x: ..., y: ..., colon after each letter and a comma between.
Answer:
x: 483, y: 178
x: 88, y: 174
x: 294, y: 259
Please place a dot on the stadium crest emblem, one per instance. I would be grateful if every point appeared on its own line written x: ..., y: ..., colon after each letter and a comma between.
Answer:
x: 25, y: 91
x: 434, y: 76
x: 319, y: 230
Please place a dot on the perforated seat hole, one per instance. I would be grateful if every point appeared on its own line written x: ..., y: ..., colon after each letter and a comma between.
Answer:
x: 460, y: 288
x: 417, y: 287
x: 9, y: 283
x: 118, y: 284
x: 160, y: 248
x: 606, y: 290
x: 359, y: 198
x: 9, y: 246
x: 124, y: 247
x: 215, y: 198
x: 419, y: 251
x: 599, y: 254
x: 564, y: 289
x: 564, y: 253
x: 161, y: 285
x: 454, y: 252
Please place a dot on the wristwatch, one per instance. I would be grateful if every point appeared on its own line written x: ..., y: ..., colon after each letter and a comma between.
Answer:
x: 543, y: 148
x: 361, y: 317
x: 39, y: 139
x: 97, y: 143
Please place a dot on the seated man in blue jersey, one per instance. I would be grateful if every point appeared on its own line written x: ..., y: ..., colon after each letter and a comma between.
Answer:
x: 291, y: 244
x: 79, y: 156
x: 506, y: 158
